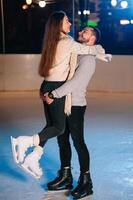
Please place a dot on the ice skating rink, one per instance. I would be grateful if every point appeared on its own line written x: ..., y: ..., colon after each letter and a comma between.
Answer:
x: 108, y: 134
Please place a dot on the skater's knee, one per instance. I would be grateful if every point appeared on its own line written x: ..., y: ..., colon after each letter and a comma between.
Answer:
x: 60, y: 129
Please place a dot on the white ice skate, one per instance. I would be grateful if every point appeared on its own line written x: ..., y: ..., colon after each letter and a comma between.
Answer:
x: 20, y: 146
x: 30, y: 171
x: 31, y: 163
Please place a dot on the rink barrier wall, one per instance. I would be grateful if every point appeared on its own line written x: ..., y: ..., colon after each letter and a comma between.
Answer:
x: 19, y: 73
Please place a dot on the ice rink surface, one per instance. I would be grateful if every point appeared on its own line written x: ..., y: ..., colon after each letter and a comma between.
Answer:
x: 108, y: 134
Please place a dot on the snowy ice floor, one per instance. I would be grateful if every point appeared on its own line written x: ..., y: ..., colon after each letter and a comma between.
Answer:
x: 108, y: 133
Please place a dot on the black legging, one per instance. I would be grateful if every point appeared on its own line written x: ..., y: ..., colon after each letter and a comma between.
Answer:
x: 75, y: 126
x: 54, y: 113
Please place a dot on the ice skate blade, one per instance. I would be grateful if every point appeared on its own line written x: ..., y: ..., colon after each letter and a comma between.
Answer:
x: 89, y: 197
x: 27, y: 170
x: 14, y: 152
x: 64, y: 191
x: 55, y: 195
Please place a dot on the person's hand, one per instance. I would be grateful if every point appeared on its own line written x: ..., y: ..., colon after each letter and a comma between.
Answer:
x: 42, y: 97
x: 108, y: 57
x: 104, y: 57
x: 47, y: 99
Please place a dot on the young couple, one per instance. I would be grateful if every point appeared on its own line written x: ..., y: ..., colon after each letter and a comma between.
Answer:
x: 66, y: 77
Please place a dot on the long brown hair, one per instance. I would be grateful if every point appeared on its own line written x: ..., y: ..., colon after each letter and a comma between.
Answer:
x: 51, y: 38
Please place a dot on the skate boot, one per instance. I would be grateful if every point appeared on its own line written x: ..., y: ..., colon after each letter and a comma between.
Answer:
x: 62, y: 181
x: 84, y: 187
x: 21, y: 144
x: 31, y: 163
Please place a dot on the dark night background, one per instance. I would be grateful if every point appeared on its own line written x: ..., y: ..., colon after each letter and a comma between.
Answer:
x: 24, y: 29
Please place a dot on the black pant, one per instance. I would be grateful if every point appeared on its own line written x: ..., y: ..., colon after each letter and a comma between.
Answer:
x: 75, y: 126
x: 54, y: 113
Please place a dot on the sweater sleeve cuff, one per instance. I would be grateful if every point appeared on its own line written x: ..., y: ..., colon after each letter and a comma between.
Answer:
x: 55, y: 94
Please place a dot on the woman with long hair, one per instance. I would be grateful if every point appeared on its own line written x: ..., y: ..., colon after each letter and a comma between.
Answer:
x: 54, y: 67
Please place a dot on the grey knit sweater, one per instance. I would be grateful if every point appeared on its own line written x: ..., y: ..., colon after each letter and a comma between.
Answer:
x: 78, y: 84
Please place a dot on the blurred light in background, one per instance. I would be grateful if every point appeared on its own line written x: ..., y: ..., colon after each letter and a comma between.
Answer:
x: 42, y: 4
x: 131, y: 21
x: 113, y: 17
x: 124, y: 21
x: 110, y: 13
x: 86, y: 12
x: 119, y: 4
x: 91, y: 23
x: 29, y: 2
x: 114, y: 3
x: 124, y: 4
x: 25, y: 7
x: 79, y: 12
